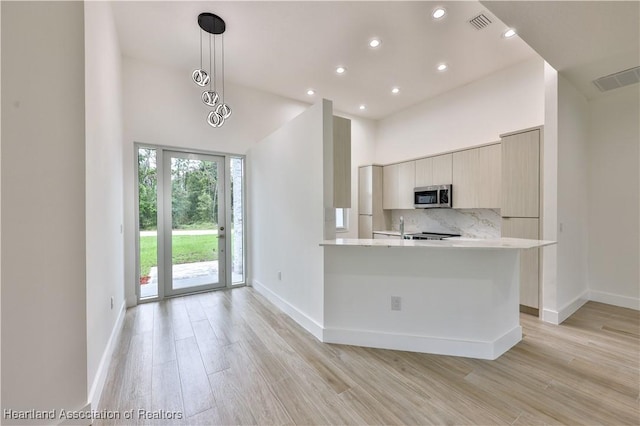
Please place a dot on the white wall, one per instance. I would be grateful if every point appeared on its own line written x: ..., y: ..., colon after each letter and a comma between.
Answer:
x: 614, y: 190
x: 104, y: 208
x: 286, y: 215
x: 162, y: 106
x: 44, y: 346
x: 573, y: 135
x: 474, y: 114
x: 591, y: 198
x: 0, y: 209
x: 549, y: 196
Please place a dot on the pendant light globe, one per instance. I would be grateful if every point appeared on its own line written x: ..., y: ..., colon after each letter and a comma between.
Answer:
x: 209, y: 97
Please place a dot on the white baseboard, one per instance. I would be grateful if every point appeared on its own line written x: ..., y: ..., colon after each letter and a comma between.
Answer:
x: 571, y: 307
x: 615, y: 299
x: 425, y: 344
x: 506, y: 342
x: 301, y: 318
x: 558, y: 317
x: 550, y: 316
x: 101, y: 375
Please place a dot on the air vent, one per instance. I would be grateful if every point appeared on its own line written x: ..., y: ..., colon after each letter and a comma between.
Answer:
x: 480, y: 22
x: 619, y: 79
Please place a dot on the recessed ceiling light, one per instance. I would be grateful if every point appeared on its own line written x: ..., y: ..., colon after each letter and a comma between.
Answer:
x: 509, y: 33
x: 442, y: 67
x: 341, y: 70
x: 311, y: 92
x: 438, y: 12
x: 395, y: 90
x: 363, y: 107
x: 374, y: 43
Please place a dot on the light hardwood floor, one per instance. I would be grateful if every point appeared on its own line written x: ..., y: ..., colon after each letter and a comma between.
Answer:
x: 230, y: 357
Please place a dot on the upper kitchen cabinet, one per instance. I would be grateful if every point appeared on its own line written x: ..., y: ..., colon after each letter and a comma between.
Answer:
x: 443, y: 169
x: 477, y: 178
x: 399, y: 180
x: 341, y: 162
x: 434, y: 170
x: 424, y: 172
x: 521, y: 174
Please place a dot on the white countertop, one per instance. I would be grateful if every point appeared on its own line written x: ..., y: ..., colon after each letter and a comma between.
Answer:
x: 467, y: 243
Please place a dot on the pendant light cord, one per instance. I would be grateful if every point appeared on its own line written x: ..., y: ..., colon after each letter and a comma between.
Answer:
x: 214, y: 26
x: 214, y: 62
x: 222, y: 36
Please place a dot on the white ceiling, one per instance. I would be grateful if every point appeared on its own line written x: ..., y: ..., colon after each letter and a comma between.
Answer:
x: 288, y: 47
x: 583, y: 40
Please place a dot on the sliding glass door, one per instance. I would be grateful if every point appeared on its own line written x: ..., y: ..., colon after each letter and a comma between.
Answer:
x: 190, y: 222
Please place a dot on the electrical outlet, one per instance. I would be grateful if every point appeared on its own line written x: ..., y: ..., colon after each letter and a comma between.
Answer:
x: 396, y: 303
x: 111, y: 302
x: 279, y: 275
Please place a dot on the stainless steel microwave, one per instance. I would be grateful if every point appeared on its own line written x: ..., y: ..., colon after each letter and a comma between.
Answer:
x: 434, y: 196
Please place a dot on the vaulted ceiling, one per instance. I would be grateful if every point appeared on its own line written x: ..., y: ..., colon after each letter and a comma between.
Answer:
x: 287, y: 48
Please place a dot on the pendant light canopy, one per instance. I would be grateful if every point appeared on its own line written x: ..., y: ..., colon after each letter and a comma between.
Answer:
x: 214, y: 26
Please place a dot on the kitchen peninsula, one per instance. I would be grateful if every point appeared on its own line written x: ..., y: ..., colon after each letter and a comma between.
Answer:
x: 452, y: 297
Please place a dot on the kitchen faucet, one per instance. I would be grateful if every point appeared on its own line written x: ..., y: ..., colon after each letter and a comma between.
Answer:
x: 401, y: 228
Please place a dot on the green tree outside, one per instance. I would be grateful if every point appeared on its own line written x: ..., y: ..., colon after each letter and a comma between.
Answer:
x: 194, y: 201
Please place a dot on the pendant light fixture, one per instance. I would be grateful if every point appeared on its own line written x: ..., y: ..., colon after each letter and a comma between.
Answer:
x: 214, y: 26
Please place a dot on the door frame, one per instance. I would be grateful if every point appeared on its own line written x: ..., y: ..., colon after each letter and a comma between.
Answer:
x: 160, y: 152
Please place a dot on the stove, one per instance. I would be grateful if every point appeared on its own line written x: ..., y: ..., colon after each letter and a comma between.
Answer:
x: 429, y: 236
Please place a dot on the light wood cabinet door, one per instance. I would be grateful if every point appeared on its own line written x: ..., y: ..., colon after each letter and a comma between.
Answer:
x: 517, y: 227
x: 521, y: 175
x: 390, y: 178
x: 399, y: 180
x: 381, y: 219
x: 424, y: 172
x: 477, y: 178
x: 434, y: 170
x: 464, y: 186
x: 365, y: 190
x: 406, y: 184
x: 442, y: 169
x: 365, y: 226
x: 341, y: 162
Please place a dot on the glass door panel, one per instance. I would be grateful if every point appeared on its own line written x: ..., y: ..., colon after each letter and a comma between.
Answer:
x: 194, y: 226
x: 147, y: 223
x: 237, y: 221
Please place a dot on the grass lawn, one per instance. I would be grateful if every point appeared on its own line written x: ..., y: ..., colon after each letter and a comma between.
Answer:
x: 186, y: 249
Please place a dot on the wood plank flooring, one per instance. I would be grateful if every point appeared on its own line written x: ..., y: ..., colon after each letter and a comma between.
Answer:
x: 230, y: 357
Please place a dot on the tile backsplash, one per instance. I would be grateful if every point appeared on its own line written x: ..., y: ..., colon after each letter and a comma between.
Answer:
x: 472, y: 223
